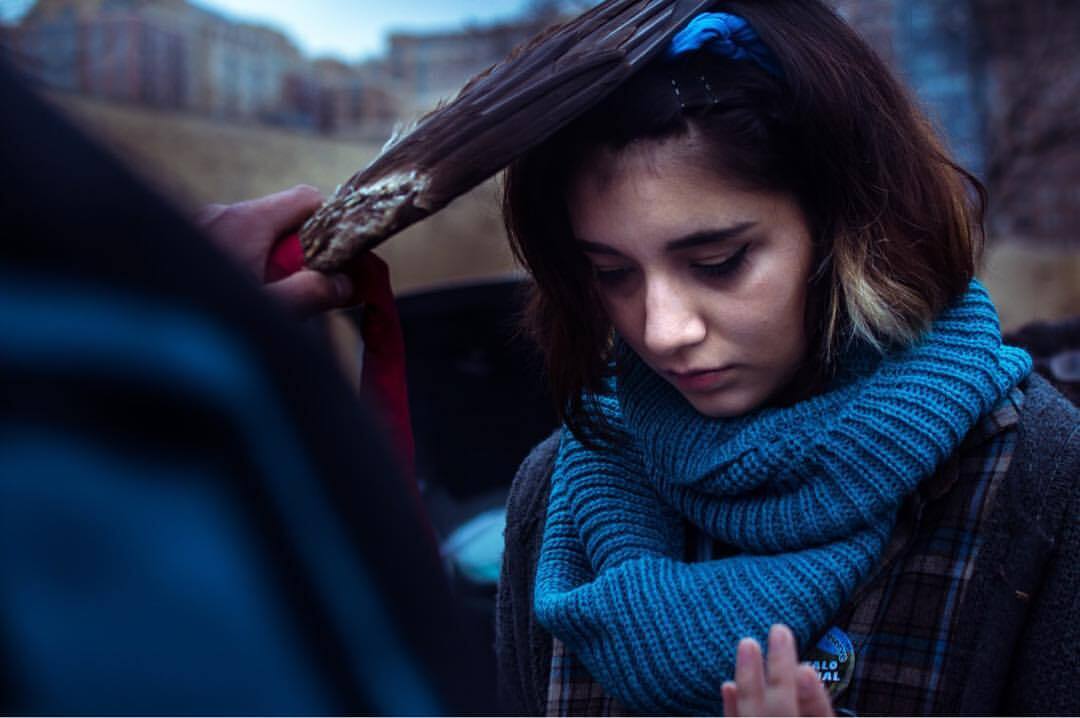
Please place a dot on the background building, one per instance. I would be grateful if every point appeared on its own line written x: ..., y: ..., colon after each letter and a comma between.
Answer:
x: 425, y: 68
x: 159, y: 53
x: 1000, y: 78
x: 174, y: 55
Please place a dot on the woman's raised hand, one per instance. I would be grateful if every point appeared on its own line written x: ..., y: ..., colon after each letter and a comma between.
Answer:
x: 780, y: 688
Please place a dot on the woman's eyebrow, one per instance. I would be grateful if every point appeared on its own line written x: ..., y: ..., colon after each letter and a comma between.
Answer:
x: 697, y: 239
x: 709, y: 236
x: 597, y: 248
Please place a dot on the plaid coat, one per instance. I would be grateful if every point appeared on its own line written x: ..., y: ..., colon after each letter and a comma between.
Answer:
x: 940, y: 628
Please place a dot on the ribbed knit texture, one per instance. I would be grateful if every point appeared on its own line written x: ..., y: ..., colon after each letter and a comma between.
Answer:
x: 808, y: 493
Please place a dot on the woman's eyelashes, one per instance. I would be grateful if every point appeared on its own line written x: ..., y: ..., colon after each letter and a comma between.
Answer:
x: 611, y: 276
x: 723, y: 268
x: 615, y: 276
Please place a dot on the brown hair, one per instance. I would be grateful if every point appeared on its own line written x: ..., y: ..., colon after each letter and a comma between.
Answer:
x: 896, y: 223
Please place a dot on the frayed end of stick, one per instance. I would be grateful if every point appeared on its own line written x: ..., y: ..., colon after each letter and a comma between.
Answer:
x: 357, y: 218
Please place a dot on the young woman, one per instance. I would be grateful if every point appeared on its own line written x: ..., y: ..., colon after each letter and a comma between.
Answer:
x: 785, y: 401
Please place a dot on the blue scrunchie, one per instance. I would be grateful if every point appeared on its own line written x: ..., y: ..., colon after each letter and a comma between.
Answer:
x: 726, y: 35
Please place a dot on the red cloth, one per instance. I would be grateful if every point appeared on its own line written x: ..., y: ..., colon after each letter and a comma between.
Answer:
x: 383, y: 376
x: 286, y: 257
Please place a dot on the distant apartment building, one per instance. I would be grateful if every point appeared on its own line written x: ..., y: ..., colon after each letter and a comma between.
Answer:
x: 238, y: 70
x: 428, y: 67
x: 354, y: 100
x: 174, y: 55
x: 161, y: 53
x: 171, y: 54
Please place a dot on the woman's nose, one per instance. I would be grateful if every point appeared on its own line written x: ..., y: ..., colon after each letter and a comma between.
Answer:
x: 672, y: 321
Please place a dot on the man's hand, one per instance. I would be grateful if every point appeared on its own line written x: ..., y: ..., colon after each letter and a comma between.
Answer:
x: 784, y: 688
x: 247, y: 231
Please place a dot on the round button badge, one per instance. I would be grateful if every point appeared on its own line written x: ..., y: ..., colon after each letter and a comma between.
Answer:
x: 834, y: 660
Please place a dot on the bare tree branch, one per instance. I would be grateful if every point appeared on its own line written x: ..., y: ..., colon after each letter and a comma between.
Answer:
x: 1034, y: 115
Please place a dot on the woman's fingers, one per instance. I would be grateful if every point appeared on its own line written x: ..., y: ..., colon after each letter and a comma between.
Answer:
x: 731, y: 700
x: 780, y: 697
x: 286, y: 210
x: 813, y: 698
x: 308, y: 292
x: 780, y: 688
x: 749, y: 678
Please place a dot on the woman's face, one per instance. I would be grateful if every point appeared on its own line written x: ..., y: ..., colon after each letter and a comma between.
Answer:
x: 705, y: 281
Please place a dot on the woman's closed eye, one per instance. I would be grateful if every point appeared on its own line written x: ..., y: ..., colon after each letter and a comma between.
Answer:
x: 614, y: 276
x: 723, y: 268
x: 611, y: 275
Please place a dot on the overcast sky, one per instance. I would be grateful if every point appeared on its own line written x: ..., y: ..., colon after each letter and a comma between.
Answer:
x: 349, y: 29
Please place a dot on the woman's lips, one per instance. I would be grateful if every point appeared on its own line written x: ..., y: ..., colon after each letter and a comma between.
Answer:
x: 699, y: 380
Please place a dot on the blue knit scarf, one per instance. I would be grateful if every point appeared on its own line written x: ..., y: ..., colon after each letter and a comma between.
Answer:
x: 808, y: 494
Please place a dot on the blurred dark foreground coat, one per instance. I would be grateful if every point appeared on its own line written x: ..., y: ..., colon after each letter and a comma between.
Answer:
x: 195, y: 515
